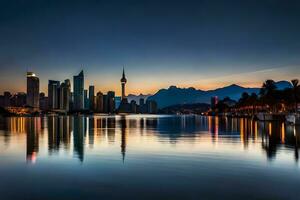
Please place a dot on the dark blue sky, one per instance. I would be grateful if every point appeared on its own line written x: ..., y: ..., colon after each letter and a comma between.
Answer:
x: 204, y: 44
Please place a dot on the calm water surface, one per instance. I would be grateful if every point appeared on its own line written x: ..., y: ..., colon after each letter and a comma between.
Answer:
x: 147, y: 157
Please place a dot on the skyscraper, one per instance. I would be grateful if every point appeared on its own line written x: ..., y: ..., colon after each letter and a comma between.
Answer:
x: 111, y: 102
x: 53, y: 94
x: 105, y: 103
x: 92, y: 97
x: 86, y: 100
x: 99, y: 102
x: 78, y: 91
x: 33, y: 90
x: 123, y: 82
x: 65, y: 95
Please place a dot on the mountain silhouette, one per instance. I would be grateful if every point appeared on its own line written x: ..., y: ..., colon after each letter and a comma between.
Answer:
x: 137, y: 98
x: 176, y: 96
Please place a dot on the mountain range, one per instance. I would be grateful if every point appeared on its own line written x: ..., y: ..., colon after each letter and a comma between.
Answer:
x: 174, y: 95
x: 137, y: 98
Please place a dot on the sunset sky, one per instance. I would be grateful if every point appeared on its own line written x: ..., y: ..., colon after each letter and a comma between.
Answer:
x: 201, y: 44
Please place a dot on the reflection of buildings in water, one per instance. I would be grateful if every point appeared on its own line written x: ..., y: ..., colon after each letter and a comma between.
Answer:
x: 16, y: 124
x: 123, y: 127
x: 111, y: 129
x: 92, y: 124
x: 79, y: 124
x: 276, y: 134
x: 12, y: 125
x: 53, y: 134
x: 144, y: 124
x: 247, y: 130
x: 213, y: 128
x: 292, y: 138
x: 33, y: 128
x: 59, y: 131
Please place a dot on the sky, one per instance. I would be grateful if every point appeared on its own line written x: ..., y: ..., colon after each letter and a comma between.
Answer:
x: 203, y: 44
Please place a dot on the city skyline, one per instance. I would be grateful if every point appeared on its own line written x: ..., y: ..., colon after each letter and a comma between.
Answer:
x: 116, y: 86
x: 201, y: 44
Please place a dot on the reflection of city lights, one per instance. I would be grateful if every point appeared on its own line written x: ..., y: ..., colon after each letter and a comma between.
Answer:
x: 270, y: 128
x: 216, y: 127
x: 209, y: 124
x: 32, y: 158
x: 242, y: 129
x: 282, y: 132
x: 256, y: 130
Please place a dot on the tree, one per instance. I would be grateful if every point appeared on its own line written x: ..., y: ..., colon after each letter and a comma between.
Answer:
x: 253, y: 101
x: 296, y: 88
x: 267, y: 93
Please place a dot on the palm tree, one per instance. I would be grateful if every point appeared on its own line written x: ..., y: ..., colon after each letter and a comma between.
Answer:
x: 267, y: 92
x: 296, y: 87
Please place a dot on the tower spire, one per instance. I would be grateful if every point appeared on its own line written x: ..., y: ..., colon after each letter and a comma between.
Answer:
x: 123, y: 76
x: 123, y: 82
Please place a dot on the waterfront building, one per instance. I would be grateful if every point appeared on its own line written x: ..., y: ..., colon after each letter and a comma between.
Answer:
x: 92, y: 97
x: 65, y: 95
x: 86, y: 100
x: 133, y: 106
x: 33, y: 90
x: 78, y: 91
x: 105, y: 103
x: 53, y: 94
x: 142, y: 106
x: 44, y: 104
x: 18, y: 99
x: 111, y: 102
x: 117, y: 102
x: 151, y: 106
x: 99, y: 102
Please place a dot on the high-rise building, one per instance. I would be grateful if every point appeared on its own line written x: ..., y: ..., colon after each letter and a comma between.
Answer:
x: 92, y: 97
x: 105, y: 103
x: 133, y: 106
x: 117, y: 102
x: 53, y: 94
x: 151, y: 106
x: 65, y: 95
x: 123, y: 82
x: 33, y: 90
x: 99, y: 102
x: 142, y: 106
x: 111, y: 102
x: 142, y: 102
x: 86, y: 100
x: 78, y: 92
x: 44, y: 104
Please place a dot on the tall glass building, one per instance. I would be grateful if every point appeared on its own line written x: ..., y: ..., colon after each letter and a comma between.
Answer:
x: 33, y: 90
x: 78, y: 91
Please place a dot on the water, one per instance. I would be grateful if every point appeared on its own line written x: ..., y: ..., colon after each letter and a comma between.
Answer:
x: 147, y: 157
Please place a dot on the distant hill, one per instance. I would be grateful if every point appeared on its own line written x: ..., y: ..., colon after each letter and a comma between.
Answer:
x: 137, y: 97
x: 176, y: 96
